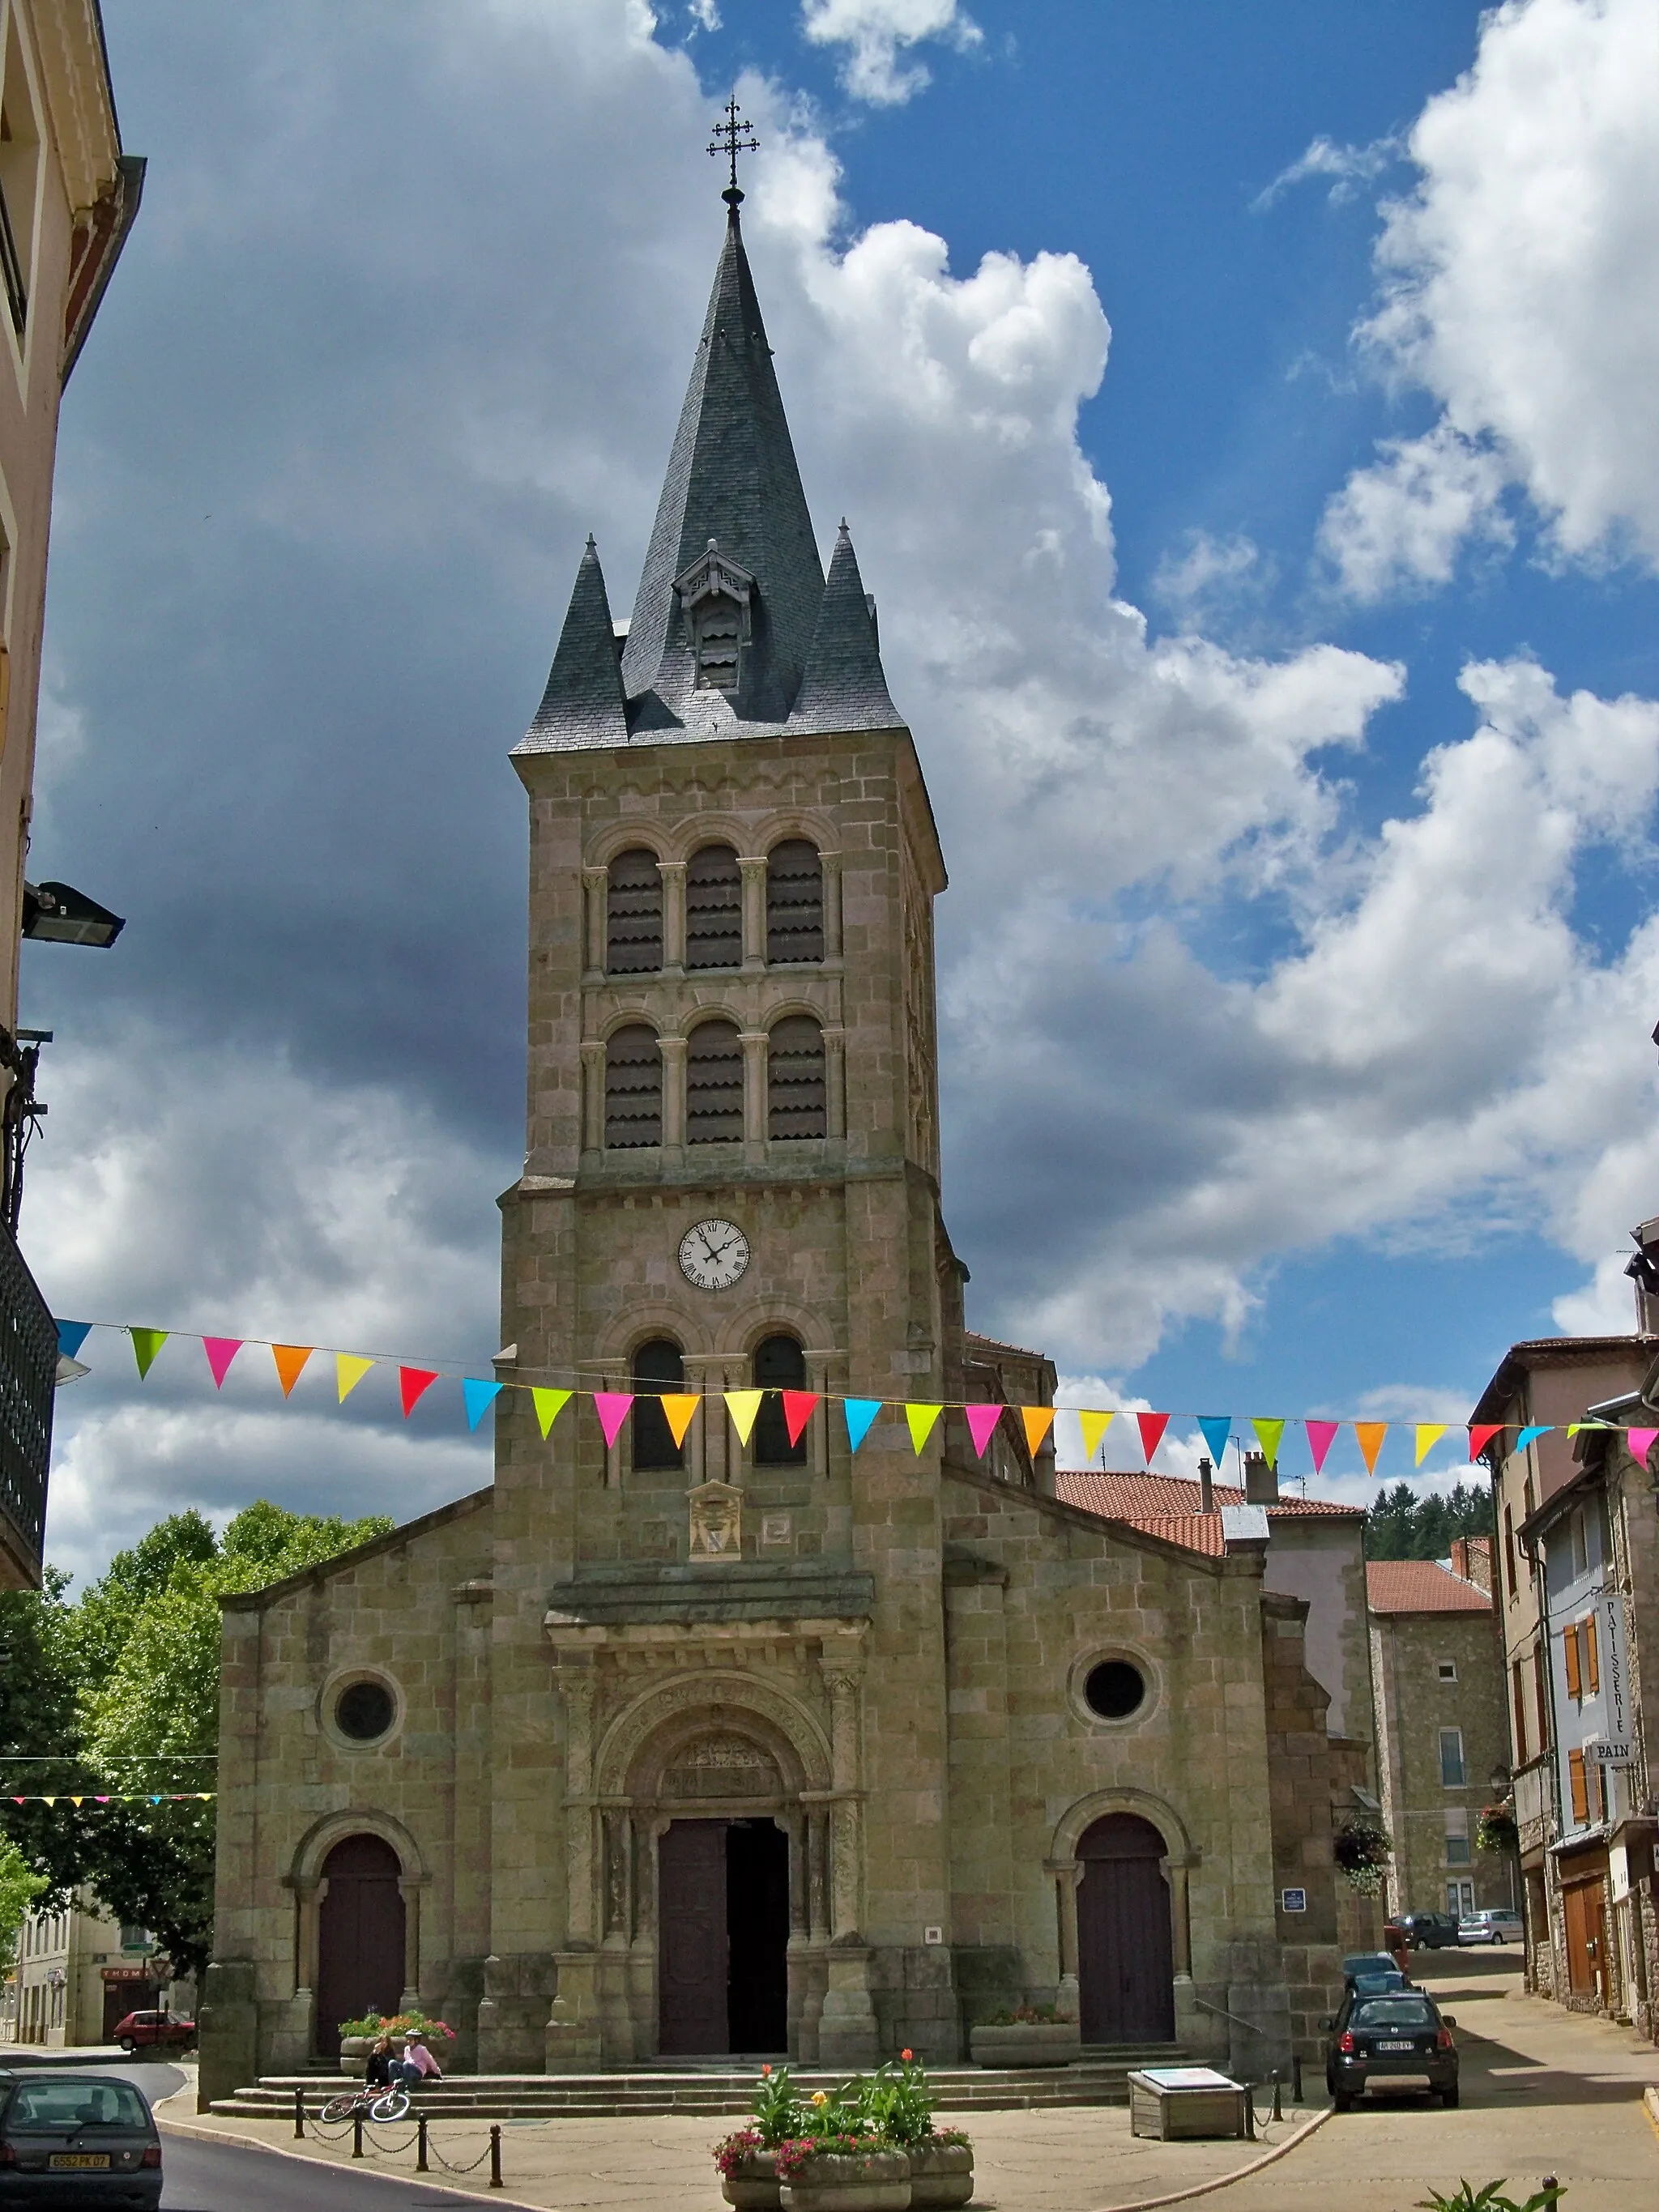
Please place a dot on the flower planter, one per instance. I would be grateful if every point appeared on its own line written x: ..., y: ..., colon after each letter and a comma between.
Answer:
x: 941, y: 2174
x: 752, y: 2185
x: 1027, y: 2042
x: 869, y: 2181
x: 354, y: 2053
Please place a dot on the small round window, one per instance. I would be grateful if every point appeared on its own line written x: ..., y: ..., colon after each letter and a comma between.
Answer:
x: 364, y: 1711
x: 1114, y: 1689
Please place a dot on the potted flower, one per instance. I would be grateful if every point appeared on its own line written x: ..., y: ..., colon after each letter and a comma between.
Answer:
x: 1026, y: 2035
x: 900, y: 2105
x: 843, y: 2172
x: 747, y: 2158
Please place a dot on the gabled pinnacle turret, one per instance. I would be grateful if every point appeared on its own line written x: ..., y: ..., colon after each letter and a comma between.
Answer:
x: 844, y: 687
x: 583, y: 703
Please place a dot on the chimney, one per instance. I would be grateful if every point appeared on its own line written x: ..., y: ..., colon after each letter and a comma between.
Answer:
x: 1471, y: 1557
x: 1260, y: 1481
x: 1205, y: 1486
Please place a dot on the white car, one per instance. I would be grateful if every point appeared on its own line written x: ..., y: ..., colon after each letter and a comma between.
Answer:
x: 1499, y: 1927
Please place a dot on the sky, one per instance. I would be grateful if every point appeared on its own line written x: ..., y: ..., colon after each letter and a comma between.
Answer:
x: 1244, y: 417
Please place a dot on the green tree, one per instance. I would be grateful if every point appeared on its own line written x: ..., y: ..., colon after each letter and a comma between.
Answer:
x: 19, y: 1885
x: 1405, y: 1523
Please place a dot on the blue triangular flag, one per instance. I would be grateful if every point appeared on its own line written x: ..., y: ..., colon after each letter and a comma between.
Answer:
x: 1541, y: 1429
x: 71, y: 1335
x: 478, y: 1396
x: 861, y: 1415
x: 1216, y: 1428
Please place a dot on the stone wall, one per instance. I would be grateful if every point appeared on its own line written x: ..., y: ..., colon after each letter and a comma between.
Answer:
x: 1414, y: 1705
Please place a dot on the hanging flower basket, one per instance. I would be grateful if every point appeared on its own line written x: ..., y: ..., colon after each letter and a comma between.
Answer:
x: 1363, y: 1852
x: 1495, y: 1829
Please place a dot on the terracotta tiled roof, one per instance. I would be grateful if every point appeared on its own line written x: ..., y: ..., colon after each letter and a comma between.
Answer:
x: 1420, y: 1586
x: 973, y: 1342
x: 1136, y: 1497
x: 1196, y: 1531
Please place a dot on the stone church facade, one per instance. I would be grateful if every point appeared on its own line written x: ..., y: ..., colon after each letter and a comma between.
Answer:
x: 696, y: 1744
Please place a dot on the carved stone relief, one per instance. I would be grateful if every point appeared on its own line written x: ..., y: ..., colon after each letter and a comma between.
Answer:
x: 716, y: 1511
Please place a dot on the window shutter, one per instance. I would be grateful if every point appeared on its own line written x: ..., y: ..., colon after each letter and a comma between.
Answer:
x: 1569, y: 1651
x: 794, y: 902
x: 796, y: 1097
x: 1579, y: 1788
x: 713, y: 909
x: 633, y: 915
x: 632, y: 1087
x: 713, y: 1084
x: 1518, y: 1689
x: 1592, y: 1662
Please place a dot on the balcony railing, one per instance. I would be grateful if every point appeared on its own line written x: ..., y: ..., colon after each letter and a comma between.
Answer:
x: 28, y: 1365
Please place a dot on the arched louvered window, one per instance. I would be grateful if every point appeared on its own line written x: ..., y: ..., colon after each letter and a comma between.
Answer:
x: 796, y: 1103
x: 794, y: 902
x: 633, y: 915
x: 633, y: 1086
x: 713, y: 1083
x: 713, y: 909
x: 780, y: 1364
x: 658, y: 1366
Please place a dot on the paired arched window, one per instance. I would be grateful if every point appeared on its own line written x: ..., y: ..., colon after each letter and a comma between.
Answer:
x: 713, y: 909
x: 633, y: 1086
x: 632, y: 914
x: 658, y: 1366
x: 713, y: 1083
x: 796, y: 1094
x: 794, y: 902
x: 780, y: 1364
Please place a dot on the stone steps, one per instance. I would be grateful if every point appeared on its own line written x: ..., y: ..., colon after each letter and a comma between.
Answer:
x: 1100, y: 2079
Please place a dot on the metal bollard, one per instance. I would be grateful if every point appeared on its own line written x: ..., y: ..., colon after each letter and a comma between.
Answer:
x: 495, y: 2181
x: 421, y: 2166
x: 298, y: 2115
x: 358, y: 2133
x: 1249, y: 2112
x: 1279, y: 2102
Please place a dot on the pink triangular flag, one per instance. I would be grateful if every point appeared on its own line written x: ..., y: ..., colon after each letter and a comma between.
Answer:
x: 1321, y: 1435
x: 611, y: 1406
x: 1641, y: 1443
x: 1151, y: 1427
x: 981, y: 1424
x: 220, y: 1350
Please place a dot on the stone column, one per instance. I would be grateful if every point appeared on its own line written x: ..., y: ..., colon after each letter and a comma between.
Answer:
x: 1067, y: 1873
x: 592, y: 1094
x: 673, y: 917
x: 831, y: 863
x: 310, y: 1890
x: 409, y: 1888
x: 672, y: 1049
x: 754, y: 912
x: 596, y: 886
x: 577, y: 1684
x: 753, y: 1089
x: 835, y: 1083
x: 818, y: 1428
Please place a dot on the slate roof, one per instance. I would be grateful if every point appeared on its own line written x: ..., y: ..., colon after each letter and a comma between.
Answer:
x: 1139, y: 1497
x: 1420, y: 1586
x: 731, y: 477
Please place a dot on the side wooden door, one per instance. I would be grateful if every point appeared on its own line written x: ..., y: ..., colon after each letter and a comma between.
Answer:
x: 693, y: 1961
x: 1126, y: 1953
x: 359, y: 1937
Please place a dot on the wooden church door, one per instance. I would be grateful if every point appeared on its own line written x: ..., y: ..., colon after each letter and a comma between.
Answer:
x: 359, y: 1937
x: 1125, y: 1960
x: 694, y: 1966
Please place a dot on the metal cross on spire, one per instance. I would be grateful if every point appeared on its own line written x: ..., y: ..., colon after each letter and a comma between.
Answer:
x: 733, y: 136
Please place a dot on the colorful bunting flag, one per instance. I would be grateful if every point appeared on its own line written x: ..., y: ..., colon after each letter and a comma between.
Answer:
x: 1094, y: 1425
x: 413, y: 1383
x: 1429, y: 1434
x: 1538, y: 1429
x: 479, y: 1397
x: 860, y: 1414
x: 146, y: 1343
x: 1640, y: 1442
x: 982, y: 1425
x: 1321, y: 1435
x: 350, y: 1369
x: 1370, y: 1435
x: 1481, y: 1435
x: 220, y: 1350
x: 1038, y: 1420
x: 743, y: 1405
x: 1267, y: 1434
x: 1152, y: 1428
x: 548, y: 1405
x: 1216, y: 1429
x: 71, y: 1335
x: 290, y: 1360
x: 798, y: 1412
x: 611, y: 1406
x: 920, y: 1419
x: 677, y: 1408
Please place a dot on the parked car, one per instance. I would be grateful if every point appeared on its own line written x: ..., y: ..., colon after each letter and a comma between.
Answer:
x: 81, y: 2138
x: 1430, y: 1931
x: 1398, y: 2039
x: 154, y: 2031
x: 1495, y: 1927
x: 1372, y: 1972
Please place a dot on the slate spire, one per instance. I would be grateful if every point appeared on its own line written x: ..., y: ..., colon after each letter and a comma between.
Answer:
x: 843, y: 687
x: 583, y: 703
x: 731, y: 477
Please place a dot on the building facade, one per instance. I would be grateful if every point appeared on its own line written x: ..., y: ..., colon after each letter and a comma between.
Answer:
x: 77, y: 1973
x: 724, y: 1736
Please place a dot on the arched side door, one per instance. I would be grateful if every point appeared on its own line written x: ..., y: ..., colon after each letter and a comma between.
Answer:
x: 359, y: 1937
x: 1126, y: 1961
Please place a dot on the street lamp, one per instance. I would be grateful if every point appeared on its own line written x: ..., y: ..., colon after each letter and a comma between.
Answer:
x: 65, y: 916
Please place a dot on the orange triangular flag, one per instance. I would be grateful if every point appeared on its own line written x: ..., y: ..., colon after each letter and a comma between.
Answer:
x: 1370, y: 1435
x: 290, y: 1362
x: 1038, y: 1420
x: 677, y: 1408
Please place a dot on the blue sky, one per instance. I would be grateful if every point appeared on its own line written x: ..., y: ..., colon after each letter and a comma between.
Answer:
x: 1245, y: 419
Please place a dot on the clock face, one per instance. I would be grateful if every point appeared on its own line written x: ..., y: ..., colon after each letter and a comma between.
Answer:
x: 713, y: 1255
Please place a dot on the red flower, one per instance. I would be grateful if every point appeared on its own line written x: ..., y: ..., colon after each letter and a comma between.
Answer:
x: 766, y: 2069
x: 907, y: 2056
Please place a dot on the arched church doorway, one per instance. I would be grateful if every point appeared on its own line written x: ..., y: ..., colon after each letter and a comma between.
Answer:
x: 723, y: 1914
x: 1126, y: 1962
x: 359, y: 1937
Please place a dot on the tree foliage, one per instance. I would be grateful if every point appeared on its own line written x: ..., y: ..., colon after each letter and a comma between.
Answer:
x: 119, y: 1692
x: 1406, y: 1523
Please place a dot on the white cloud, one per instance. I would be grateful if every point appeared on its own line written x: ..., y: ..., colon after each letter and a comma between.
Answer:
x: 1348, y: 167
x: 1403, y: 522
x: 876, y: 33
x: 1521, y: 291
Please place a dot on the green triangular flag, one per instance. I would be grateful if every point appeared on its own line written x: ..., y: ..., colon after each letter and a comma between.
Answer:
x: 146, y: 1343
x: 548, y: 1405
x: 1267, y: 1434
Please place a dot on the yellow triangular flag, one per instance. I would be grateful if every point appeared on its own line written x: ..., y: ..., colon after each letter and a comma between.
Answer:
x: 1094, y: 1426
x: 678, y: 1408
x: 743, y: 1405
x: 75, y: 1801
x: 350, y: 1369
x: 1428, y: 1435
x: 921, y: 1419
x: 1038, y: 1420
x: 548, y: 1405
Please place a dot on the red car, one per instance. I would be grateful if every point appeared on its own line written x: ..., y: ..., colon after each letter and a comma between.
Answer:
x: 154, y: 2031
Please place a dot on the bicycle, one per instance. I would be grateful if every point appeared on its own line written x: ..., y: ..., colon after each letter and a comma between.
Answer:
x: 391, y: 2103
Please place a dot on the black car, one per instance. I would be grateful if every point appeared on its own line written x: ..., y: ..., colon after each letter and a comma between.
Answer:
x: 1399, y: 2038
x: 1368, y: 1973
x: 1430, y: 1931
x: 74, y: 2138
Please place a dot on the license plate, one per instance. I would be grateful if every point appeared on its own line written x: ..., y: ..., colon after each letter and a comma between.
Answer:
x: 1396, y: 2047
x: 82, y: 2160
